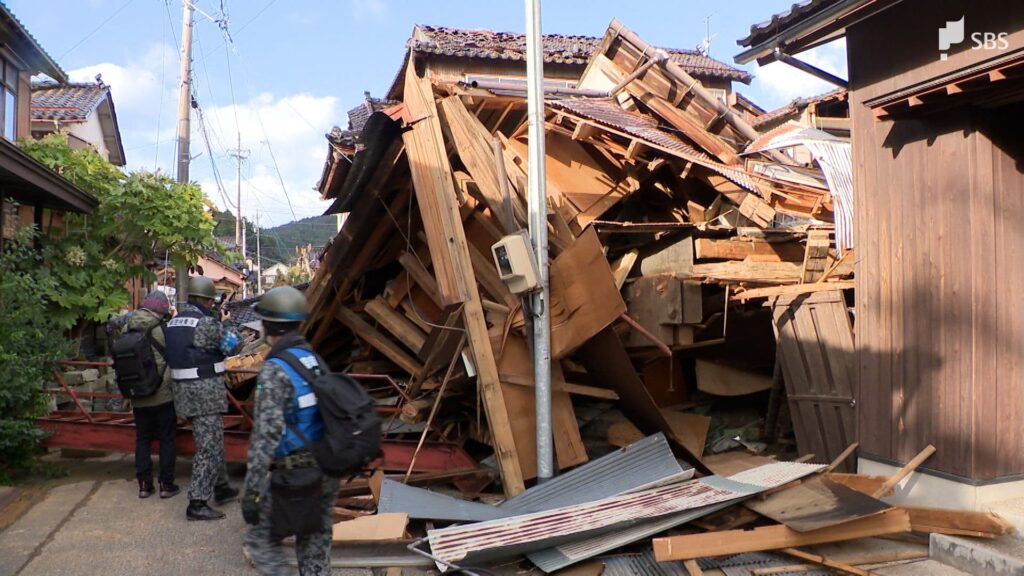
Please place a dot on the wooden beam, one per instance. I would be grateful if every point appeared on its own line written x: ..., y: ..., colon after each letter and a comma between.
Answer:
x: 730, y: 542
x: 397, y: 324
x: 578, y: 389
x: 731, y: 249
x: 794, y: 290
x: 818, y: 559
x: 379, y: 341
x: 472, y: 140
x: 435, y: 192
x: 957, y: 522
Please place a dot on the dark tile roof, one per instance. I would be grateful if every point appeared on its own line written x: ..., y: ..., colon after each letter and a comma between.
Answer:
x: 66, y: 102
x: 558, y: 49
x: 798, y: 11
x: 795, y: 106
x: 357, y: 118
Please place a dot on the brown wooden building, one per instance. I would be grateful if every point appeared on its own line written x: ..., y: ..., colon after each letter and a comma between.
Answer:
x: 938, y: 152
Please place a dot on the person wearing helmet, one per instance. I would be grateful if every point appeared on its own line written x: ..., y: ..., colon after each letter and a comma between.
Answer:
x: 197, y: 343
x: 287, y: 421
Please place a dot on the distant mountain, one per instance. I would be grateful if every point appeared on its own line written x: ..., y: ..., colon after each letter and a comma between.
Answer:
x: 278, y: 244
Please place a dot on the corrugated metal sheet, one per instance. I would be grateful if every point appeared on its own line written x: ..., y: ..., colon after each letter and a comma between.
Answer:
x: 643, y: 464
x: 745, y: 564
x: 423, y: 504
x: 834, y: 156
x: 642, y: 564
x: 606, y: 111
x: 522, y: 534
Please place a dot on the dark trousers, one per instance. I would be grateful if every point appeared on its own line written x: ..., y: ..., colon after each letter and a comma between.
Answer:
x: 155, y: 423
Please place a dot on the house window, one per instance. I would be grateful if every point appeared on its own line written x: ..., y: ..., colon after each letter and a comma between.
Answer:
x: 9, y: 113
x: 719, y: 93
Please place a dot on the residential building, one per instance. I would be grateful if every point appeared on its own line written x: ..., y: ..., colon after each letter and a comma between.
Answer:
x: 84, y: 112
x: 938, y: 176
x: 30, y: 193
x: 274, y: 273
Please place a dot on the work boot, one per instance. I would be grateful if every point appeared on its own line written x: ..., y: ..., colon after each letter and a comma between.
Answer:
x: 169, y: 489
x: 224, y: 494
x: 145, y: 488
x: 199, y: 510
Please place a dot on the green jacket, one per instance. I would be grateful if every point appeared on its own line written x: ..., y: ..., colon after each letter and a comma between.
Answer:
x: 143, y: 320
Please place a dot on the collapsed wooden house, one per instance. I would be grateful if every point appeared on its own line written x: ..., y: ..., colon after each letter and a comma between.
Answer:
x: 667, y: 234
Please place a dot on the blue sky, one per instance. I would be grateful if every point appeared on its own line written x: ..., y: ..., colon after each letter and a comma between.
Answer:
x: 298, y: 65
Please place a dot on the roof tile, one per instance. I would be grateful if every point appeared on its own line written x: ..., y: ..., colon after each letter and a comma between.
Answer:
x: 66, y: 102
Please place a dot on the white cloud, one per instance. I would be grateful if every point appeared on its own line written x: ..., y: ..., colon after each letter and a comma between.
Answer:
x: 294, y: 124
x: 782, y: 82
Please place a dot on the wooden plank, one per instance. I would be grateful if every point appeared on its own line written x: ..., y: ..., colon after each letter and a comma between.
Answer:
x: 515, y: 359
x: 577, y: 389
x: 722, y: 380
x: 816, y: 256
x: 738, y: 249
x: 729, y: 542
x: 905, y: 470
x: 472, y: 141
x: 397, y: 324
x: 818, y: 559
x: 435, y: 192
x: 816, y: 503
x: 860, y: 482
x: 622, y: 267
x: 419, y: 274
x: 692, y: 430
x: 674, y: 259
x: 693, y: 568
x: 377, y: 340
x: 957, y: 522
x: 747, y: 271
x: 376, y: 528
x: 656, y: 304
x: 795, y: 290
x: 584, y: 298
x: 757, y: 210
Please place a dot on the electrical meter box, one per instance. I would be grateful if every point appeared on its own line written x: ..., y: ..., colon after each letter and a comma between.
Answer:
x: 517, y: 266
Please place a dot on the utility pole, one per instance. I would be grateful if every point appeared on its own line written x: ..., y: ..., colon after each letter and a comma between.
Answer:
x: 259, y: 259
x: 184, y: 131
x: 537, y: 206
x: 240, y: 232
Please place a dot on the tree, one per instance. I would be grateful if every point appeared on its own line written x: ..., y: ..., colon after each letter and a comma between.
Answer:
x: 31, y: 341
x: 140, y: 215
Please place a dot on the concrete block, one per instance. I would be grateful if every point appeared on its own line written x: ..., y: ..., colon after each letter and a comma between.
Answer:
x: 1000, y: 557
x: 90, y: 375
x: 73, y: 378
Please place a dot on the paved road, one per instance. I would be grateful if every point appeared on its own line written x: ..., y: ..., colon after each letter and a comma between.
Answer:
x: 100, y: 527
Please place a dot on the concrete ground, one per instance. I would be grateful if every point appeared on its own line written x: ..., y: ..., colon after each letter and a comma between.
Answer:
x: 95, y: 524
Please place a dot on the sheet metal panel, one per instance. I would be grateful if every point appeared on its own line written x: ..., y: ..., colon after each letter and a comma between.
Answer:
x: 422, y: 504
x: 643, y: 464
x: 507, y: 537
x: 642, y: 564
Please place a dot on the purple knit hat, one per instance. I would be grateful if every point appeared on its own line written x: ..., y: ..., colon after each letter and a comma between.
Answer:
x: 157, y: 302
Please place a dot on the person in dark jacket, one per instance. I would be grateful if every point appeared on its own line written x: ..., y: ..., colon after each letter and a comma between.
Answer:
x: 283, y: 395
x: 197, y: 344
x: 154, y: 415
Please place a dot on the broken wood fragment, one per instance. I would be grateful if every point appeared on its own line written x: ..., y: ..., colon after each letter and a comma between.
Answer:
x: 905, y: 471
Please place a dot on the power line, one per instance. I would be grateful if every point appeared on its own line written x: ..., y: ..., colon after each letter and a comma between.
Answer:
x: 95, y: 30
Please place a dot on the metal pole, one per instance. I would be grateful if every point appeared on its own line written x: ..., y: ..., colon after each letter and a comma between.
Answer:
x: 259, y: 259
x: 184, y: 130
x: 537, y: 206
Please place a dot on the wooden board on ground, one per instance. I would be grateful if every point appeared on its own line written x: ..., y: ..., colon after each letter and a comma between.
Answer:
x: 734, y: 462
x: 957, y: 522
x: 860, y: 482
x: 816, y: 503
x: 384, y: 527
x: 692, y: 430
x: 815, y: 346
x: 520, y: 400
x: 584, y: 298
x: 722, y: 380
x: 730, y: 542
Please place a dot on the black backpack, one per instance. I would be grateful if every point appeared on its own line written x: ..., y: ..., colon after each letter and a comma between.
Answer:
x: 352, y: 427
x: 135, y: 364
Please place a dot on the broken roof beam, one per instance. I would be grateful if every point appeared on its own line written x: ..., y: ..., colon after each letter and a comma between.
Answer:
x: 442, y: 221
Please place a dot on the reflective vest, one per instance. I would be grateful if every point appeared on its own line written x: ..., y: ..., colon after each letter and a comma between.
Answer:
x: 303, y: 414
x: 186, y: 361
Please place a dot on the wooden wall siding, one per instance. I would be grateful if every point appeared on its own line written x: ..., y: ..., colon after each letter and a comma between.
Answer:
x: 454, y: 69
x: 815, y: 346
x: 939, y: 201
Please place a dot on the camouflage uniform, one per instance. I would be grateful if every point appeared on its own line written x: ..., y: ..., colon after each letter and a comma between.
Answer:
x: 204, y: 402
x: 274, y: 395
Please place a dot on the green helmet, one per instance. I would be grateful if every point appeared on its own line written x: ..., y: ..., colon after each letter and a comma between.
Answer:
x: 202, y: 287
x: 282, y: 304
